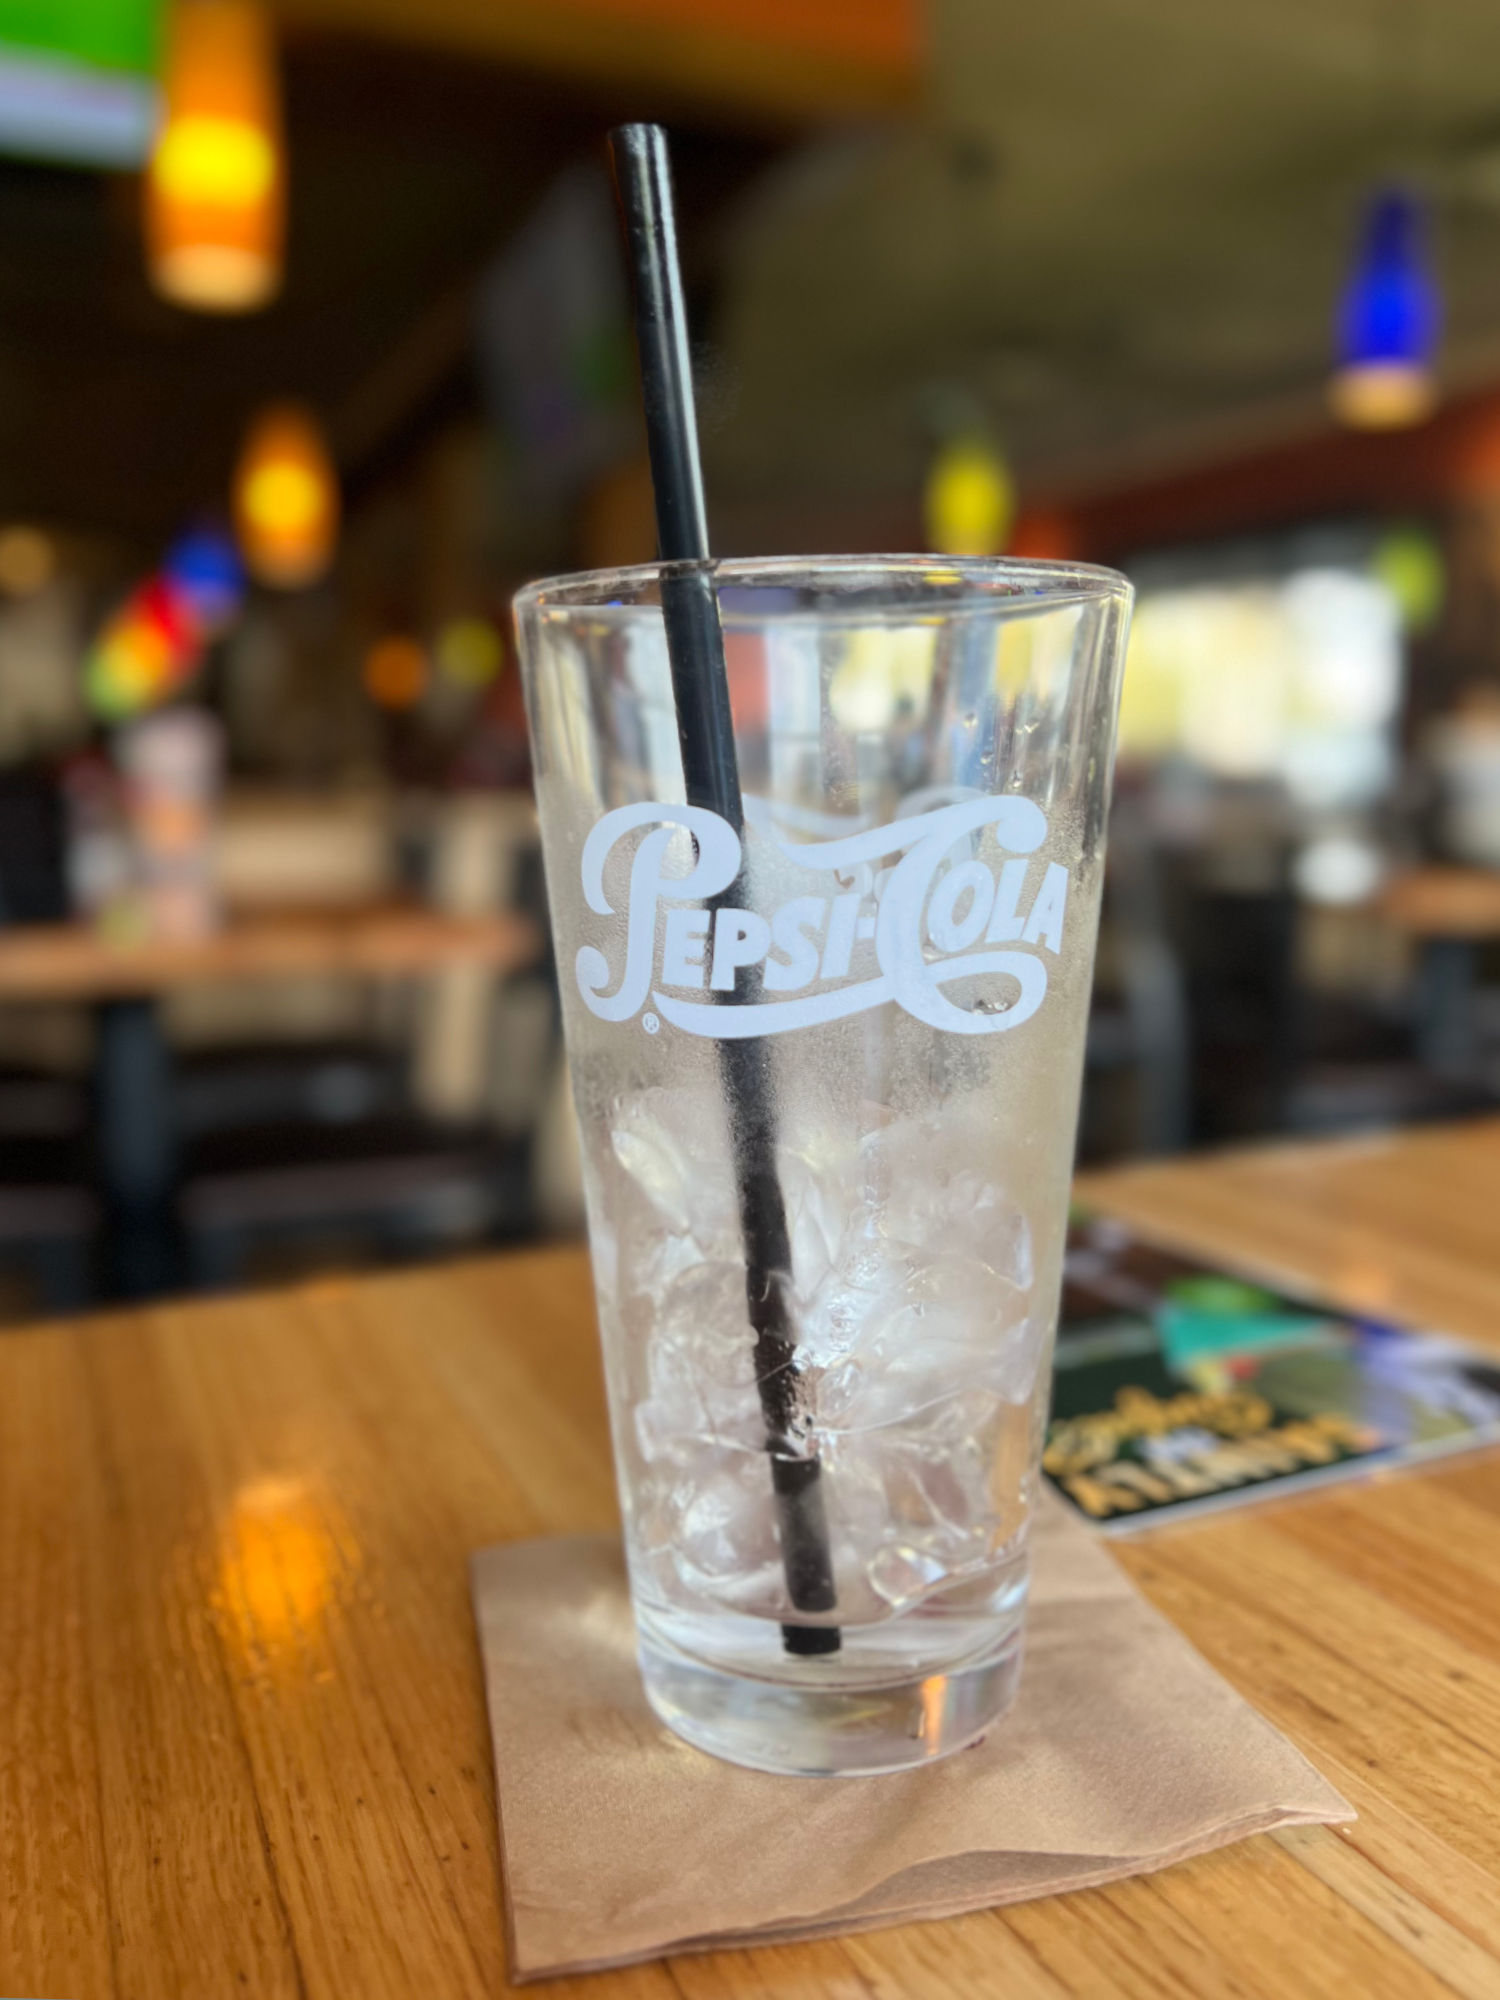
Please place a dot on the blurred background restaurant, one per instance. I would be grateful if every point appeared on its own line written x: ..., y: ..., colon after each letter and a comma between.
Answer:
x: 314, y: 345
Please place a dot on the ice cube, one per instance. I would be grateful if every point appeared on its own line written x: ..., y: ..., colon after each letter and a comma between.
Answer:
x: 644, y: 1151
x: 673, y: 1147
x: 819, y: 1211
x: 973, y: 1215
x: 724, y: 1543
x: 901, y: 1574
x: 919, y: 1499
x: 917, y: 1349
x: 940, y: 1193
x: 703, y: 1309
x: 886, y: 1354
x: 700, y: 1369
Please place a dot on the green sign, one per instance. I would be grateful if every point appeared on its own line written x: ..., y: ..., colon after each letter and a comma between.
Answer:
x: 106, y: 34
x: 78, y: 79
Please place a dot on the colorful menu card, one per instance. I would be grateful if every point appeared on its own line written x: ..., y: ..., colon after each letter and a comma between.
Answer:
x: 1180, y: 1387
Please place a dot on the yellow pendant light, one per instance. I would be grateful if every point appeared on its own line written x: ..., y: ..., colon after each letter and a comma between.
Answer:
x: 286, y: 499
x: 216, y: 187
x: 970, y: 499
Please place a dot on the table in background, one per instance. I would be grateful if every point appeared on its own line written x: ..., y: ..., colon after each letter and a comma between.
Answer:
x: 242, y: 1734
x: 1449, y: 914
x: 132, y: 1063
x: 1444, y: 902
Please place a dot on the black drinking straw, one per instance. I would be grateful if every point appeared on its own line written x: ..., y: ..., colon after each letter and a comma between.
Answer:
x: 705, y: 727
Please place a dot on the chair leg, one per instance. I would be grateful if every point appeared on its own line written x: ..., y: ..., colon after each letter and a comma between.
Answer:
x: 136, y: 1114
x: 64, y: 1272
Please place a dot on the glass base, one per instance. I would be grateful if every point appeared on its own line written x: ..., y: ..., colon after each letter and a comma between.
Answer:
x: 802, y: 1729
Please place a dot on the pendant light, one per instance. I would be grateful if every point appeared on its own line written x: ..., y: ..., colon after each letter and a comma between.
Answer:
x: 1389, y: 320
x: 216, y: 187
x: 147, y: 651
x: 155, y: 641
x: 396, y: 672
x: 204, y: 571
x: 286, y: 499
x: 970, y: 499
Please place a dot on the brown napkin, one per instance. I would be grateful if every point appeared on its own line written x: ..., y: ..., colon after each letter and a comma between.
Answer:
x: 1125, y: 1751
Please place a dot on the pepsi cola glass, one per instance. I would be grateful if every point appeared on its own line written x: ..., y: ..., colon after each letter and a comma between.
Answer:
x: 898, y: 937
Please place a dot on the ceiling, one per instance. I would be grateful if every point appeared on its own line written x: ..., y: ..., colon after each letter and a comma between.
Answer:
x: 122, y: 414
x: 1114, y: 229
x: 785, y: 60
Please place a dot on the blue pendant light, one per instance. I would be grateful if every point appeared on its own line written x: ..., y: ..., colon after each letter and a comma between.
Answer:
x: 1390, y: 317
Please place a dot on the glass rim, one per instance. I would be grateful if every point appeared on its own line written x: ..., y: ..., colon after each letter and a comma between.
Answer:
x: 995, y: 579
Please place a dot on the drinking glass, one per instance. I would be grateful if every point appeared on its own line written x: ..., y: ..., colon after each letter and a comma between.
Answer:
x: 826, y: 1063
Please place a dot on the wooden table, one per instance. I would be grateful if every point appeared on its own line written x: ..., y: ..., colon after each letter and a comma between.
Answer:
x: 1443, y: 902
x: 124, y: 981
x: 242, y: 1738
x: 74, y: 961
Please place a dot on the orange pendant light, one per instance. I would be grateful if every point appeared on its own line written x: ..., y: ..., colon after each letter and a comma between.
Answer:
x: 216, y: 187
x: 286, y: 499
x: 396, y: 672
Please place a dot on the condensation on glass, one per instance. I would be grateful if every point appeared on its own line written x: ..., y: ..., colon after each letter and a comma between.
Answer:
x: 905, y: 926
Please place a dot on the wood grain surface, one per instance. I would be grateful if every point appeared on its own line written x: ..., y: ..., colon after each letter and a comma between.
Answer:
x: 72, y: 961
x: 1443, y: 902
x: 242, y: 1739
